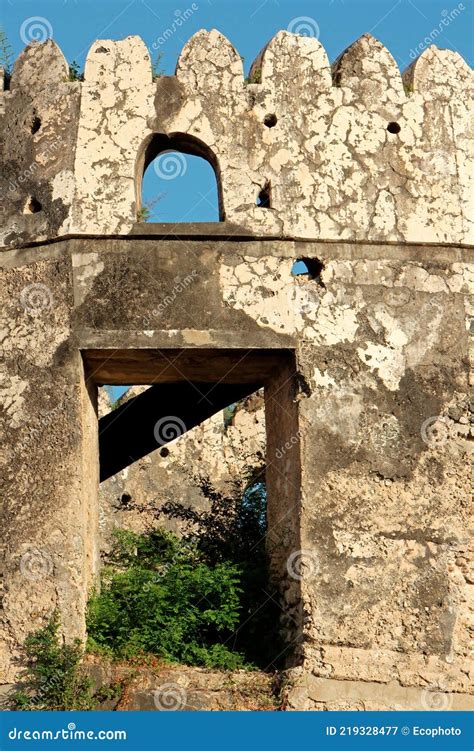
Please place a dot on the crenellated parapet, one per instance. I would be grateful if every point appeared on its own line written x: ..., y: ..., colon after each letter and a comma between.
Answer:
x: 365, y: 360
x: 355, y: 152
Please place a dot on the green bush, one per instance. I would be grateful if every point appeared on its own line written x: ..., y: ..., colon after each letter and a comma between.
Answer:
x: 53, y: 679
x: 160, y: 596
x: 234, y: 529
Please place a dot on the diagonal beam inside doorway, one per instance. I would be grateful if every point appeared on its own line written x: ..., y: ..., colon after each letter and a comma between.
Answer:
x: 159, y: 415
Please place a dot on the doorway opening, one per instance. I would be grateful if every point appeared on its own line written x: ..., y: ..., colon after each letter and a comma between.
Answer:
x: 196, y: 449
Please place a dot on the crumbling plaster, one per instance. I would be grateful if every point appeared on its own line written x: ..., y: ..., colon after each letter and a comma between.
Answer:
x: 334, y: 169
x: 369, y: 450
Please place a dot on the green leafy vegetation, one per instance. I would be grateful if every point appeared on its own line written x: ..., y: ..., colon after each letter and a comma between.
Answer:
x: 159, y: 596
x: 203, y: 599
x: 157, y: 69
x: 255, y: 76
x: 143, y: 214
x: 75, y: 73
x: 234, y: 529
x: 146, y: 212
x: 53, y: 678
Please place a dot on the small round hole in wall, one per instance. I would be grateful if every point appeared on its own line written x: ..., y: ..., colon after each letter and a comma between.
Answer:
x: 270, y: 120
x: 393, y: 128
x: 32, y: 205
x: 164, y: 452
x: 35, y: 124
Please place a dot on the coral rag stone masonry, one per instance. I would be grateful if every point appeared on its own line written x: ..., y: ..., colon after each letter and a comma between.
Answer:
x: 365, y: 362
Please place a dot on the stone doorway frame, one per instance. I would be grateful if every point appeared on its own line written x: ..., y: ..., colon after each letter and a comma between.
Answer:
x: 274, y: 370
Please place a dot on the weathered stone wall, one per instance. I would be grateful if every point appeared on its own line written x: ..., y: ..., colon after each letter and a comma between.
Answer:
x: 380, y: 512
x: 352, y: 153
x: 38, y: 133
x: 368, y: 414
x: 49, y: 472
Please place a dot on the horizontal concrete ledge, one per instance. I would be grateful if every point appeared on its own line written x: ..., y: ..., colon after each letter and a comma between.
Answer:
x: 229, y: 230
x: 372, y: 695
x: 184, y: 338
x: 251, y: 246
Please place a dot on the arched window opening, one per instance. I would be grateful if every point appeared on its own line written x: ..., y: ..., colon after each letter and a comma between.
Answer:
x: 178, y: 181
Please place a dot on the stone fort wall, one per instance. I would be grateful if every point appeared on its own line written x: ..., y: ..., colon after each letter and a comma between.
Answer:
x: 367, y: 407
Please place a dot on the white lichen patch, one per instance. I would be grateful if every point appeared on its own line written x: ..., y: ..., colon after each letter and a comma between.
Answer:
x: 387, y: 362
x: 89, y: 266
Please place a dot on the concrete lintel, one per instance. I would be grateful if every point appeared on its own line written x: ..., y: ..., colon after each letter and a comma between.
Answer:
x: 90, y: 339
x: 151, y: 366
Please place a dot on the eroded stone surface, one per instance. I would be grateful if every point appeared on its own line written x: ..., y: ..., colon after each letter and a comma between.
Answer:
x: 368, y: 413
x: 358, y: 154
